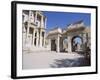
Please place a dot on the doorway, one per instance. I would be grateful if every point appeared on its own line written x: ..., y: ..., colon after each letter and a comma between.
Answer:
x: 53, y: 45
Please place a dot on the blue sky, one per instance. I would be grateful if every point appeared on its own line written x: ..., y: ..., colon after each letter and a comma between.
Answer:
x: 62, y: 19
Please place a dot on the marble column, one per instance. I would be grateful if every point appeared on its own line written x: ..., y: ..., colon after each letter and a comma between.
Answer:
x: 28, y: 24
x: 84, y: 38
x: 33, y: 36
x: 27, y: 32
x: 84, y: 42
x: 44, y: 39
x: 57, y: 44
x: 69, y: 44
x: 40, y: 38
x: 37, y: 38
x: 30, y: 13
x: 42, y: 22
x: 35, y: 17
x: 61, y: 43
x: 49, y: 44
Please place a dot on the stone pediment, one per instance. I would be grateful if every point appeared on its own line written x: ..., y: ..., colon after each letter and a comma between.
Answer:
x: 74, y: 29
x: 55, y: 31
x: 79, y: 25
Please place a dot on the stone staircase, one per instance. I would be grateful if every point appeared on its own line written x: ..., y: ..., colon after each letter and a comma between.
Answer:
x: 36, y: 49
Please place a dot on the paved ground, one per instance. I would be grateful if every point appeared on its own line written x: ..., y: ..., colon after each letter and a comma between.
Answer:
x: 50, y: 59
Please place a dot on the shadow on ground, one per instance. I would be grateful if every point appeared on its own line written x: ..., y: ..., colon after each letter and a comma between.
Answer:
x: 71, y: 62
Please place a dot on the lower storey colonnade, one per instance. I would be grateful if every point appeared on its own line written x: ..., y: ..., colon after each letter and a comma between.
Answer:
x: 34, y: 37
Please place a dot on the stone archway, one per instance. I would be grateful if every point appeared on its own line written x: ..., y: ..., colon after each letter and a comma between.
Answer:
x: 76, y: 43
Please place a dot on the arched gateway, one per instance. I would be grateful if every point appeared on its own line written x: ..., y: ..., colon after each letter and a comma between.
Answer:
x: 77, y: 42
x: 73, y: 31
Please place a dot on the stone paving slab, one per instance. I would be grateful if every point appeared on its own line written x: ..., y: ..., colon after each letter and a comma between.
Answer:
x: 50, y: 59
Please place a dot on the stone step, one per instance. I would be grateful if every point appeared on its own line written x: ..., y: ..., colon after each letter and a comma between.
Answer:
x: 36, y: 49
